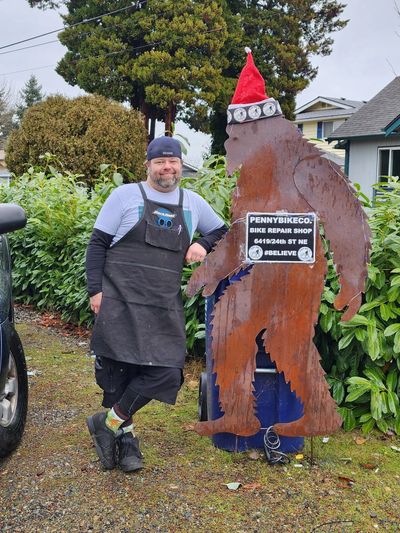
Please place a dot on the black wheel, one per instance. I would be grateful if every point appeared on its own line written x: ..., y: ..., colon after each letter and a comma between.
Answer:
x: 14, y: 406
x: 202, y: 408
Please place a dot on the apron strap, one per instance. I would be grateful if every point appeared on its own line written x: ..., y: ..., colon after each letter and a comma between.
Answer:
x: 180, y: 203
x: 142, y: 191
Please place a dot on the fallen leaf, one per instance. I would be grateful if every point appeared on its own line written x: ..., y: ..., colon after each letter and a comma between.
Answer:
x: 348, y: 479
x: 345, y: 459
x: 298, y: 465
x: 346, y: 482
x: 395, y: 448
x: 252, y: 486
x: 233, y: 486
x: 174, y: 487
x: 325, y: 439
x: 299, y: 456
x: 360, y: 440
x: 254, y: 455
x: 368, y: 466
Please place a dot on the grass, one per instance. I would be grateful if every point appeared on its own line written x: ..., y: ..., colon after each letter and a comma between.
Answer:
x: 54, y: 481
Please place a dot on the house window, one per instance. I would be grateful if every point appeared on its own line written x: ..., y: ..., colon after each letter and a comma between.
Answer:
x: 388, y: 163
x: 324, y: 129
x: 300, y: 127
x: 328, y: 128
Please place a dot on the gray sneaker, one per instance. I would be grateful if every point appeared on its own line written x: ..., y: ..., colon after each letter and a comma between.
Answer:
x: 104, y: 439
x: 130, y: 457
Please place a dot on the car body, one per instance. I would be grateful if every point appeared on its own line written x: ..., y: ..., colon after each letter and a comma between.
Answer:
x: 13, y: 374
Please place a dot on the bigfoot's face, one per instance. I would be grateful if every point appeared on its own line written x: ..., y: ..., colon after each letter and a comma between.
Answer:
x: 247, y: 138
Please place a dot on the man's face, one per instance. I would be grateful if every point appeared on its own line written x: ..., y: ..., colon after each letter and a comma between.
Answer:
x: 164, y: 173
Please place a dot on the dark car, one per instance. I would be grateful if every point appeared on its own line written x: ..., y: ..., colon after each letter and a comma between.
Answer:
x: 13, y: 375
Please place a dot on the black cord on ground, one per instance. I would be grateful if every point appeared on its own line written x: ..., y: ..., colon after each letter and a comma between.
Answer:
x: 271, y: 448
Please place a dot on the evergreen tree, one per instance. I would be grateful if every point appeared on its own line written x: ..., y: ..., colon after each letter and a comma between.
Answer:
x: 44, y: 4
x: 30, y: 95
x: 163, y: 57
x: 283, y: 35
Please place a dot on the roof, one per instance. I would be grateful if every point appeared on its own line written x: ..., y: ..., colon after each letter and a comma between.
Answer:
x: 375, y: 117
x: 340, y: 103
x: 324, y: 114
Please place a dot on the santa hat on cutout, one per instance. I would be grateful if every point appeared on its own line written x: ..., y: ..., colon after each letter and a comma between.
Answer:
x: 250, y: 101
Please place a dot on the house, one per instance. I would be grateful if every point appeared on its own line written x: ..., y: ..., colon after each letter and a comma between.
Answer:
x: 371, y: 139
x: 319, y: 118
x: 188, y: 170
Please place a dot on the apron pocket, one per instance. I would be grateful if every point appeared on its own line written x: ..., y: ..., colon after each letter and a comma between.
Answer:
x: 111, y: 376
x: 167, y: 238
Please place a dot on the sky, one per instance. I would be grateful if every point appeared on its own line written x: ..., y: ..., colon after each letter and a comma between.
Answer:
x: 365, y: 57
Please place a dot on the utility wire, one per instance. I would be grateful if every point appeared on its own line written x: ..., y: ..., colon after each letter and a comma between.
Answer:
x: 105, y: 55
x: 136, y: 5
x: 28, y: 70
x: 26, y: 47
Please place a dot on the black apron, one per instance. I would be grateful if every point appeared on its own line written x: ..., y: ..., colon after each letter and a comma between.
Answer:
x: 141, y: 319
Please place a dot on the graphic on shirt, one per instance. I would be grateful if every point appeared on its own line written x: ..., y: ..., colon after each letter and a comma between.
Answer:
x: 164, y: 217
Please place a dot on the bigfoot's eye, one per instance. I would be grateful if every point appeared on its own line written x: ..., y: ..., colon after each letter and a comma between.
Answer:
x: 239, y: 114
x: 269, y: 109
x: 254, y: 111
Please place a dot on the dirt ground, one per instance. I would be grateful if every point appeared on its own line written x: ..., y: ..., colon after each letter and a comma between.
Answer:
x: 54, y: 482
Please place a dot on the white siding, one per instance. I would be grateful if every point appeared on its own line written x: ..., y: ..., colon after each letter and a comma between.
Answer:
x: 363, y: 164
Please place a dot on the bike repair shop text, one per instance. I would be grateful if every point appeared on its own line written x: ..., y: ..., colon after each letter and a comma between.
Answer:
x: 280, y: 237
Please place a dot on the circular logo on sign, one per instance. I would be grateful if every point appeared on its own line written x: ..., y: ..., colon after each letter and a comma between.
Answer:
x: 254, y: 111
x: 239, y: 114
x: 305, y: 254
x: 255, y: 252
x: 269, y: 109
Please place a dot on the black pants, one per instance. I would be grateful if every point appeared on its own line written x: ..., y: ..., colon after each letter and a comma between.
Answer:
x: 155, y: 382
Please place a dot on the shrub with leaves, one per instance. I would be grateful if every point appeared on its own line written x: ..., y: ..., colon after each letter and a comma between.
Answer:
x: 362, y: 356
x: 83, y: 132
x: 49, y: 254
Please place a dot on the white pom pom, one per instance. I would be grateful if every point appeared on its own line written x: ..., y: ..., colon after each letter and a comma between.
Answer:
x: 247, y: 50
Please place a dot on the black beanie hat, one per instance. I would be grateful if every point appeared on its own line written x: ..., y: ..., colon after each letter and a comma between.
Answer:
x: 164, y: 147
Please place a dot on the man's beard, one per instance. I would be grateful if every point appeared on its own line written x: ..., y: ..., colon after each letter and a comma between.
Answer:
x: 166, y: 182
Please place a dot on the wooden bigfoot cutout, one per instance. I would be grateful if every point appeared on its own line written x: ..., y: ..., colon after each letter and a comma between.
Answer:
x: 280, y: 173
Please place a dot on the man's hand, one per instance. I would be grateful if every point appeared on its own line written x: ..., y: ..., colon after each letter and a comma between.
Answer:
x: 196, y: 253
x: 95, y: 302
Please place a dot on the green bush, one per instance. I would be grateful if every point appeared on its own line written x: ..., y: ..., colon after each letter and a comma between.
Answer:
x: 82, y: 132
x: 362, y: 356
x: 49, y: 254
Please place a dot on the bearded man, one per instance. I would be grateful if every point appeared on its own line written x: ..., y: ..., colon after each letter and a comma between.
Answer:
x: 140, y: 242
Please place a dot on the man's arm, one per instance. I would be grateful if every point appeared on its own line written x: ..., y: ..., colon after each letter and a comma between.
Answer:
x: 199, y: 249
x: 208, y: 241
x: 95, y: 259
